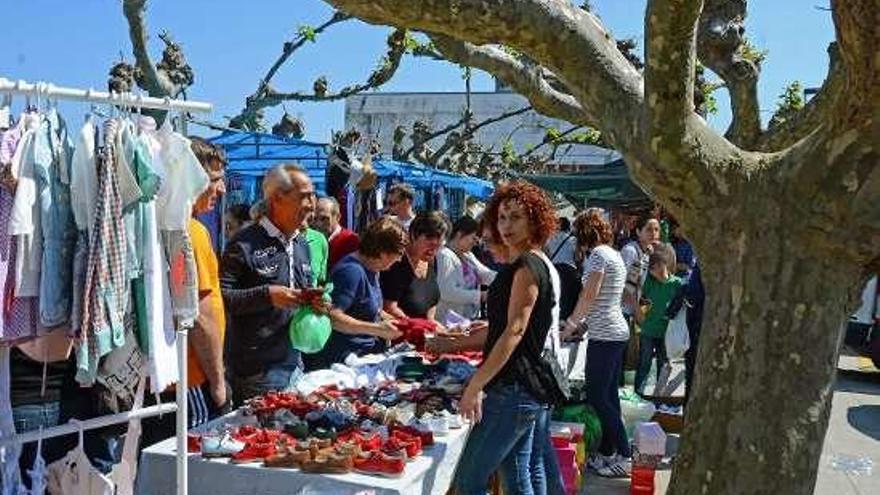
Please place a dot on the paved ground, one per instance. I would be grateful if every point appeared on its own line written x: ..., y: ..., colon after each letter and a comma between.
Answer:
x: 853, y: 433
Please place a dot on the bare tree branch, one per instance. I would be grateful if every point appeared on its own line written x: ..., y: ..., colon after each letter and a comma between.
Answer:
x: 720, y: 48
x: 294, y: 45
x: 250, y: 114
x: 669, y: 74
x: 813, y: 115
x: 269, y: 97
x: 470, y: 131
x: 530, y: 81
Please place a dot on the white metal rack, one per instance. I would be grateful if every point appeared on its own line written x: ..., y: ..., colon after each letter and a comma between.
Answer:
x: 52, y: 92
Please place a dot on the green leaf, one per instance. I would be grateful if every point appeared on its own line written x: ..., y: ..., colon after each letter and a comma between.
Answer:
x: 307, y: 32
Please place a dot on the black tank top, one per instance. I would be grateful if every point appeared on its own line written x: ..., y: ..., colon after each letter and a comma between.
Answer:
x: 527, y: 354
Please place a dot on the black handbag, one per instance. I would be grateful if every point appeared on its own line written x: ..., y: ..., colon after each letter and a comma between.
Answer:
x: 545, y: 379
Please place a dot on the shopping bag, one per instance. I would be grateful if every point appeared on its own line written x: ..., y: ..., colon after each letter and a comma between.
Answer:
x: 309, y: 331
x: 677, y: 339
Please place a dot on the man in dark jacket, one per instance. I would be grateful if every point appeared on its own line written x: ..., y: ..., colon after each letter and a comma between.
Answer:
x: 263, y: 273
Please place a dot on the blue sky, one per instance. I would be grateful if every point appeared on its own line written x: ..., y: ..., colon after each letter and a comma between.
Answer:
x: 231, y: 44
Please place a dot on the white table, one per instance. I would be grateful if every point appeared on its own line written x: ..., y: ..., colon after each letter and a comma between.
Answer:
x: 430, y: 473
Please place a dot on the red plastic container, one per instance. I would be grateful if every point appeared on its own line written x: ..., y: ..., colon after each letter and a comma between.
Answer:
x: 642, y: 481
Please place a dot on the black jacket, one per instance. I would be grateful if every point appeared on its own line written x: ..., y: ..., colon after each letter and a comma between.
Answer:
x: 256, y: 330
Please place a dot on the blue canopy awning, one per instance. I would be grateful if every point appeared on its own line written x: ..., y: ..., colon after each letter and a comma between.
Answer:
x: 250, y: 154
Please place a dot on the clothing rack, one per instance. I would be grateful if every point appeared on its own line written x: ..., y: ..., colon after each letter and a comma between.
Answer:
x: 53, y: 92
x: 74, y: 425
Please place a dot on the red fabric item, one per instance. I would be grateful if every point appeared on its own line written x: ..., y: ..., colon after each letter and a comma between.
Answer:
x: 473, y: 357
x: 413, y: 330
x: 342, y: 244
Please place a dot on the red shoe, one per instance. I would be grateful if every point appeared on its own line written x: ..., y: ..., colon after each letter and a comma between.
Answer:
x: 368, y: 442
x: 395, y: 444
x: 405, y: 437
x: 254, y: 452
x: 245, y: 433
x: 193, y: 443
x: 426, y: 437
x: 380, y: 464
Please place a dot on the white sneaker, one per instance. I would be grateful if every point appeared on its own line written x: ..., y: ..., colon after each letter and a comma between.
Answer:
x: 221, y: 446
x: 439, y: 426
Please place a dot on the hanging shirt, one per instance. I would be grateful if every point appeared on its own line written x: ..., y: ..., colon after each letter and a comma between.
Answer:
x: 84, y: 178
x: 24, y: 221
x: 52, y: 152
x: 102, y: 327
x: 185, y: 179
x: 9, y: 329
x: 19, y: 313
x: 155, y: 321
x: 74, y: 474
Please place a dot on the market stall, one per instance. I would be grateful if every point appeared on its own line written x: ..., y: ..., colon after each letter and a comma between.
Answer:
x: 385, y: 423
x: 431, y: 473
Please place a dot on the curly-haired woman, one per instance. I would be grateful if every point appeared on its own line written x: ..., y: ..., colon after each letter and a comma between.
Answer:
x: 499, y: 398
x: 599, y: 306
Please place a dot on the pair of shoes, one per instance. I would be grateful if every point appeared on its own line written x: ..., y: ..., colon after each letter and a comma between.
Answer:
x: 378, y: 463
x: 330, y: 463
x: 220, y: 446
x: 402, y: 442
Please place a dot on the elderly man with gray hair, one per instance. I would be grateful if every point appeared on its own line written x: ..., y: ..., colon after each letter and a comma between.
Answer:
x: 264, y: 276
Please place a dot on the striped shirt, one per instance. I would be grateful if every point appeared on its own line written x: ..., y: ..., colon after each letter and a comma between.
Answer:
x: 605, y: 319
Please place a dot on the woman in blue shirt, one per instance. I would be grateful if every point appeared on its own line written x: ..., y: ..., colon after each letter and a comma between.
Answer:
x: 357, y: 297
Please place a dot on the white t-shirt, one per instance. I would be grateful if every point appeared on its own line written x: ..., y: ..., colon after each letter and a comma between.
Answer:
x: 605, y: 319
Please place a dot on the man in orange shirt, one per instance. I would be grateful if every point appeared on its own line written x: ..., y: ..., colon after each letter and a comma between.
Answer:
x: 207, y: 385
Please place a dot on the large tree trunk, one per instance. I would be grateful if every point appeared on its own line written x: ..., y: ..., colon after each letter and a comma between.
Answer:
x: 756, y: 422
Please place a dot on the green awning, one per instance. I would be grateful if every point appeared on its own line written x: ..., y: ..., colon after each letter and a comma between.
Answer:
x: 602, y: 185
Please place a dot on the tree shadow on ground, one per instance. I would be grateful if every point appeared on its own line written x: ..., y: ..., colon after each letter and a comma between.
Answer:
x: 865, y: 419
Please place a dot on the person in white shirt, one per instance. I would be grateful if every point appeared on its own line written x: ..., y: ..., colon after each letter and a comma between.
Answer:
x: 399, y: 203
x: 563, y: 245
x: 460, y: 274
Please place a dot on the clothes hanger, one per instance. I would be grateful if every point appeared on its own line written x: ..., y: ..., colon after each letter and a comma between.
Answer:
x: 80, y: 446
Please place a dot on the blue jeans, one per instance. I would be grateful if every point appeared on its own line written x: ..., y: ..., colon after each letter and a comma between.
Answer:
x: 546, y: 475
x: 278, y: 377
x: 502, y: 439
x: 603, y: 363
x: 31, y: 417
x: 649, y: 348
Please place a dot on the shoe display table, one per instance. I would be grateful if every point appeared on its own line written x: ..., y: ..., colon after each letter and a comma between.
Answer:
x: 430, y: 473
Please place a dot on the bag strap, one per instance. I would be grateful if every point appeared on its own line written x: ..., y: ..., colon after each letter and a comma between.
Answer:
x: 559, y: 247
